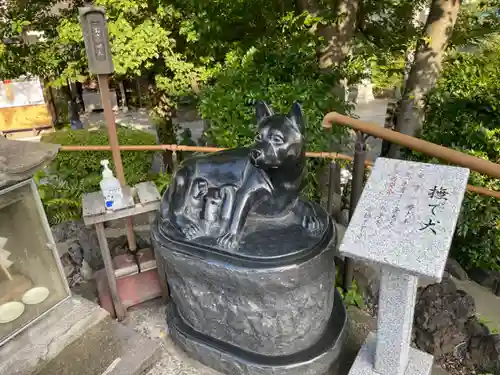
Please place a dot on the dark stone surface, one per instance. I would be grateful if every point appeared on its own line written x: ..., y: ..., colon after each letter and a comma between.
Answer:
x: 484, y: 353
x: 263, y: 308
x: 455, y: 269
x: 441, y: 315
x: 234, y: 200
x: 488, y: 278
x: 315, y: 360
x: 250, y: 265
x: 475, y: 328
x: 81, y: 243
x: 83, y: 240
x: 367, y: 277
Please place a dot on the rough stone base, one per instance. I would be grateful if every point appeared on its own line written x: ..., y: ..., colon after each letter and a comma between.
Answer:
x: 108, y: 348
x: 78, y: 338
x: 316, y: 360
x: 32, y: 349
x: 419, y: 363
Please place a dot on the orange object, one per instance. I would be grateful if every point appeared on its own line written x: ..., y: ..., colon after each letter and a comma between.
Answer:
x: 132, y: 289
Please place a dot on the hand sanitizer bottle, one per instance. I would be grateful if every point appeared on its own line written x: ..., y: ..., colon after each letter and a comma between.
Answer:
x: 110, y: 187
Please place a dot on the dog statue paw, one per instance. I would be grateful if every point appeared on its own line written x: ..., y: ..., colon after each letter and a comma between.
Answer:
x: 312, y: 225
x: 192, y: 231
x: 228, y: 241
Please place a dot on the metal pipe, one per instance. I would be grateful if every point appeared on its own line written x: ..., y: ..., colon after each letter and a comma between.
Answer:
x: 114, y: 146
x: 323, y: 155
x: 443, y: 153
x: 358, y: 176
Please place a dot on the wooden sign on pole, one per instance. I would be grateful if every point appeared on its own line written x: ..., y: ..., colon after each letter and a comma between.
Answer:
x: 97, y: 47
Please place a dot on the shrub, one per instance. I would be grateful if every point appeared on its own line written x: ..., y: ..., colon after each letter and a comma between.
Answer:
x: 279, y: 69
x: 463, y: 113
x: 72, y: 174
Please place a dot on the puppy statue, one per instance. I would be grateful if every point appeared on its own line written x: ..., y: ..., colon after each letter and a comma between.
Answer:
x: 216, y: 195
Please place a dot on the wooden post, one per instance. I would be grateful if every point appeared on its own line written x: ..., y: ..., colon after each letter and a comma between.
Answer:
x: 110, y: 271
x: 109, y: 117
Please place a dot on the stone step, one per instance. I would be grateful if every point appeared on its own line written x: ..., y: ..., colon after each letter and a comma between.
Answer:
x: 109, y: 348
x: 79, y: 338
x: 28, y: 352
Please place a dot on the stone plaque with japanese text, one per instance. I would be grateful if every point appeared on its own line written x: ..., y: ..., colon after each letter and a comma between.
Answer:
x: 406, y: 216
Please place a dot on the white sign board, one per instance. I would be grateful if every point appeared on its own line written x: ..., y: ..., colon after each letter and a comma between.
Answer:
x: 406, y: 216
x: 22, y: 92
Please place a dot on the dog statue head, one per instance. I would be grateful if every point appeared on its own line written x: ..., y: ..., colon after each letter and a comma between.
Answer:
x: 280, y: 138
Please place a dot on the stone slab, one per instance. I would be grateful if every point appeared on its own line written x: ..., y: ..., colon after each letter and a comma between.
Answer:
x: 109, y: 348
x: 149, y: 319
x: 419, y: 363
x: 32, y: 349
x: 406, y: 216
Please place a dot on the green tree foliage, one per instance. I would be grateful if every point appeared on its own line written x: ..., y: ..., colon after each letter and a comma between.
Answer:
x: 463, y: 113
x: 279, y: 70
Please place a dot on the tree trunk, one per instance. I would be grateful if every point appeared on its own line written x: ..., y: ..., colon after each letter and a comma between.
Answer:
x: 426, y: 67
x: 123, y: 95
x: 337, y: 35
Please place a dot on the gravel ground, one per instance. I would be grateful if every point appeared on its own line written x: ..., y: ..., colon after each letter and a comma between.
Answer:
x: 454, y: 365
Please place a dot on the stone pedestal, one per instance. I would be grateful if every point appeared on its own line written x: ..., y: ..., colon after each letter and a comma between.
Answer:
x: 404, y: 222
x: 273, y: 311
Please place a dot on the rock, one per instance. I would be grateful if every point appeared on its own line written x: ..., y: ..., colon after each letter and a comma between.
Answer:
x: 86, y: 271
x: 455, y: 269
x: 441, y: 314
x: 475, y: 328
x: 82, y: 242
x: 484, y: 353
x: 119, y: 245
x: 367, y: 277
x: 488, y: 278
x: 86, y: 289
x: 67, y: 265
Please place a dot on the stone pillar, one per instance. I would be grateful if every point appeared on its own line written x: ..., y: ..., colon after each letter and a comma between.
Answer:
x: 365, y: 89
x: 398, y: 291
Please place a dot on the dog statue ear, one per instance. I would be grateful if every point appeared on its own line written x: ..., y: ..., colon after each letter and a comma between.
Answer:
x: 262, y: 110
x: 297, y: 116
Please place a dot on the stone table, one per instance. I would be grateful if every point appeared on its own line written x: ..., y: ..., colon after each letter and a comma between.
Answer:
x: 404, y: 221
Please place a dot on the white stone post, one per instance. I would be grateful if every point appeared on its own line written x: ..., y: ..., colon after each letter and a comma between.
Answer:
x: 365, y: 89
x: 404, y: 221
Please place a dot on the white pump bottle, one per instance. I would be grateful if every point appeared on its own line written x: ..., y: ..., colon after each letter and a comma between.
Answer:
x: 111, y: 188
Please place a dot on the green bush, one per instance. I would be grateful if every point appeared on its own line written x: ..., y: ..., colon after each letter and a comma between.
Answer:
x: 280, y: 70
x: 72, y: 174
x: 463, y: 113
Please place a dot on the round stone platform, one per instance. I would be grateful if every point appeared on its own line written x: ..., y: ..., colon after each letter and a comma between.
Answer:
x: 254, y: 314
